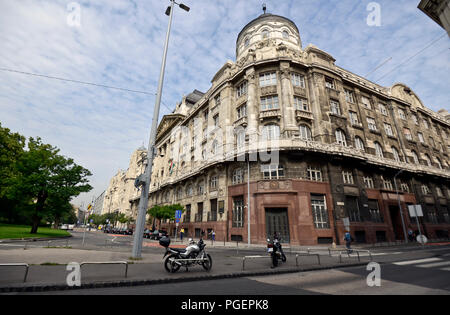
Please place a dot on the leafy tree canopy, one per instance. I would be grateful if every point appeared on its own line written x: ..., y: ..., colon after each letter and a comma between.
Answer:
x: 39, y: 179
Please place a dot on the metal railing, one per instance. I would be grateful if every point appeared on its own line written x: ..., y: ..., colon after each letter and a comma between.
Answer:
x: 108, y: 263
x: 348, y: 252
x: 18, y: 265
x: 252, y: 257
x: 306, y: 254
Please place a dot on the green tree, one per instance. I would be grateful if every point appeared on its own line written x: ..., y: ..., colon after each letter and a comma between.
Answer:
x: 44, y: 176
x: 164, y: 212
x: 11, y: 148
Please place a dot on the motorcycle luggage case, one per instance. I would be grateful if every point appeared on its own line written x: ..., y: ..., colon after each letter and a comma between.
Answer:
x: 164, y: 241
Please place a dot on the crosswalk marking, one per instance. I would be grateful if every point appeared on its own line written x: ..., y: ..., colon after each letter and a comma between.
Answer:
x: 433, y: 265
x: 412, y: 262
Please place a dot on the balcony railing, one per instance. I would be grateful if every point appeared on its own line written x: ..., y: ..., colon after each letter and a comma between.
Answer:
x: 198, y: 217
x: 243, y: 121
x: 302, y: 114
x: 271, y: 113
x: 212, y: 216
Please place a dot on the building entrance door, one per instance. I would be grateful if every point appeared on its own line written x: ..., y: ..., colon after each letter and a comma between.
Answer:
x: 277, y: 221
x: 396, y: 222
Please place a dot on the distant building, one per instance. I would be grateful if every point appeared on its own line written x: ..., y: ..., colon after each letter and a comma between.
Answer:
x: 79, y: 214
x: 121, y: 187
x: 438, y: 11
x: 98, y: 204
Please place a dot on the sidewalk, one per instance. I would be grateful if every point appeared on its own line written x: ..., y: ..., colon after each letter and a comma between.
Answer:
x: 150, y: 270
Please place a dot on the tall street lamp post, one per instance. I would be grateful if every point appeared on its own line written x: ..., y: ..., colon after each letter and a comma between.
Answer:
x: 145, y: 179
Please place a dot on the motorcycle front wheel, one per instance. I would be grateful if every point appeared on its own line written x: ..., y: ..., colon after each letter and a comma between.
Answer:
x: 170, y: 266
x: 274, y: 260
x: 283, y: 258
x: 207, y: 265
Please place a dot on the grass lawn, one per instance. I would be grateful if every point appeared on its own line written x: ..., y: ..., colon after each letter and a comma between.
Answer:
x: 23, y: 231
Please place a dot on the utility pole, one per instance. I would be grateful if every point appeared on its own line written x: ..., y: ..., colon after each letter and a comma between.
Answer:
x: 248, y: 199
x: 146, y: 178
x: 400, y: 206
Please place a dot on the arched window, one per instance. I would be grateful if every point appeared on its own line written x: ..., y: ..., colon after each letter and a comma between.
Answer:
x: 415, y: 157
x: 201, y: 187
x: 271, y: 132
x: 395, y: 154
x: 285, y: 34
x: 180, y: 193
x: 246, y: 42
x: 265, y: 33
x: 340, y: 137
x: 305, y: 133
x: 378, y: 150
x: 189, y: 190
x: 359, y: 143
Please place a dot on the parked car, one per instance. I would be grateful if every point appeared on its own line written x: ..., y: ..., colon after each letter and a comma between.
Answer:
x: 158, y: 234
x: 147, y: 233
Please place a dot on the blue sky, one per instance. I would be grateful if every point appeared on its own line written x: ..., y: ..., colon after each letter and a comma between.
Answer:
x: 119, y: 43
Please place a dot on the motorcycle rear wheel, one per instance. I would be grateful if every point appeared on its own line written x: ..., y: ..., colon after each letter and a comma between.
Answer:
x: 207, y: 265
x: 169, y: 266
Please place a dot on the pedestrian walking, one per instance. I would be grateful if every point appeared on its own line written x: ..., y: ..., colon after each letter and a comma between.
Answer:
x: 410, y: 235
x: 348, y: 241
x: 181, y: 233
x: 203, y: 233
x: 213, y: 235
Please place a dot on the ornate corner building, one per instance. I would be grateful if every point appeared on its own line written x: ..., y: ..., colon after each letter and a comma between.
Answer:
x: 339, y: 146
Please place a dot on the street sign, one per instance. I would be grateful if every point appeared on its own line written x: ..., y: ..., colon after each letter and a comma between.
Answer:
x: 89, y: 207
x: 415, y: 210
x: 177, y: 221
x: 178, y: 214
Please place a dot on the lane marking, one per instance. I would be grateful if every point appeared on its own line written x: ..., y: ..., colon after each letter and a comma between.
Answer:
x: 412, y: 262
x: 432, y: 265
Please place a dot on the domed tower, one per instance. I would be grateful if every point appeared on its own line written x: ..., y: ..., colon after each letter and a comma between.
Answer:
x: 267, y: 27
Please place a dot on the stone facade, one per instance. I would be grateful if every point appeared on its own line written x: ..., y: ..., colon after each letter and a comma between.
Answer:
x: 121, y: 191
x: 336, y: 141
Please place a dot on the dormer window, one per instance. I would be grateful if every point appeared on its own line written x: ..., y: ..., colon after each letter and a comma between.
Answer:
x: 246, y: 42
x: 285, y: 34
x: 265, y: 33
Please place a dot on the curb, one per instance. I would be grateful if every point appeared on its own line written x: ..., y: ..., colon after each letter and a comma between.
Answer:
x: 14, y: 240
x: 133, y: 283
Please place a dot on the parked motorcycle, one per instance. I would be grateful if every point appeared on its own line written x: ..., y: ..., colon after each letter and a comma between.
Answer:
x: 193, y: 254
x: 275, y: 250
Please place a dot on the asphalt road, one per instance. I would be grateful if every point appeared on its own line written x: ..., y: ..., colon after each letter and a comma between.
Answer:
x: 422, y: 276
